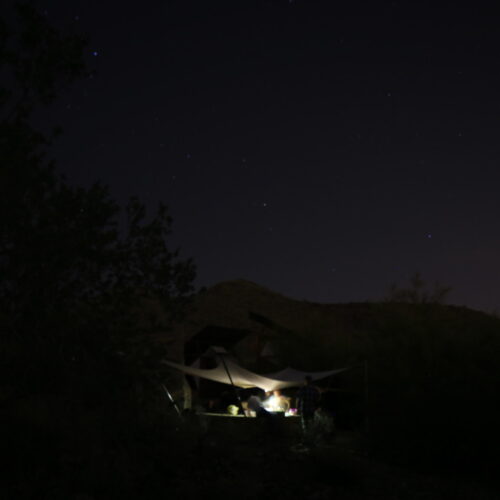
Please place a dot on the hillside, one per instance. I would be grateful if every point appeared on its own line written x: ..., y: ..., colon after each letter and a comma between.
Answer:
x: 347, y: 331
x: 245, y: 305
x: 429, y: 400
x: 433, y: 369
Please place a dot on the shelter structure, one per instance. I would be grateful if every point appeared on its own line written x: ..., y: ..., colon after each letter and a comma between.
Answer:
x: 248, y: 346
x: 229, y: 371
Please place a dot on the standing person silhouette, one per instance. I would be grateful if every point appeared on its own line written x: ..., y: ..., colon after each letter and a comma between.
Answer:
x: 308, y: 397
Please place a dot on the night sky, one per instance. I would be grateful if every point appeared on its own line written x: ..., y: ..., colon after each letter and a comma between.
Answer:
x: 324, y: 150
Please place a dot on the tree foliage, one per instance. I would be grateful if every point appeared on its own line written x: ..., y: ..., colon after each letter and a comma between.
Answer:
x: 72, y: 281
x: 77, y: 357
x: 419, y: 292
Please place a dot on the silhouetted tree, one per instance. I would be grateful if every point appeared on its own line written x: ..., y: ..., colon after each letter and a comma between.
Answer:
x: 418, y: 292
x: 71, y: 284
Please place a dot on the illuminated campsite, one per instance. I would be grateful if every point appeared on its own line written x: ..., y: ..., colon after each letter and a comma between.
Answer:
x: 229, y: 372
x: 249, y: 249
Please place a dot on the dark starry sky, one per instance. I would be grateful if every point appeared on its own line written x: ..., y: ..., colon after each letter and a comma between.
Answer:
x: 321, y: 149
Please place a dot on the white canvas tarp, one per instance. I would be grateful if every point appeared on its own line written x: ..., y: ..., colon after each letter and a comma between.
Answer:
x: 234, y: 374
x: 292, y: 375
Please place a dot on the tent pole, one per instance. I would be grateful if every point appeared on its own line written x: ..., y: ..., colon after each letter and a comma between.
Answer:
x: 232, y: 383
x: 367, y: 418
x: 169, y: 396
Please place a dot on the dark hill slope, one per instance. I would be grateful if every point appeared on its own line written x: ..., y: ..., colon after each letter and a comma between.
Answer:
x: 433, y: 370
x: 346, y: 332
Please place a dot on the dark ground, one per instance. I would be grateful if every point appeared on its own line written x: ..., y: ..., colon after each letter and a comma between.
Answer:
x: 105, y: 456
x: 257, y: 462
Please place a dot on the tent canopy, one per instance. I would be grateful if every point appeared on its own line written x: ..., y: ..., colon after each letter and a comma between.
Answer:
x: 228, y: 371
